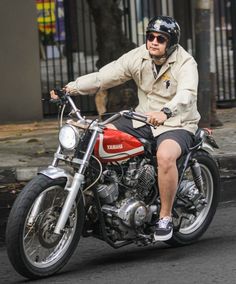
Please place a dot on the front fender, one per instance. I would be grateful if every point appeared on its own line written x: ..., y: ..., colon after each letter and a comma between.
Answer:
x: 55, y: 172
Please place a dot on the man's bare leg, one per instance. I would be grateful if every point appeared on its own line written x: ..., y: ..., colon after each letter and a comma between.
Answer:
x: 168, y: 152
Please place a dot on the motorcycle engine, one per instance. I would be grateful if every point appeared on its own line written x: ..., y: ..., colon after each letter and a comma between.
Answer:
x: 141, y: 178
x: 123, y: 196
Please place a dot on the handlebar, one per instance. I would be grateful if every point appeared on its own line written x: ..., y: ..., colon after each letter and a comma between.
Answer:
x: 64, y: 97
x: 128, y: 114
x: 139, y: 117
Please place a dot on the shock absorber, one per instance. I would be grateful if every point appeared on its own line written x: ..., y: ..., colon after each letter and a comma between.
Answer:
x: 197, y: 175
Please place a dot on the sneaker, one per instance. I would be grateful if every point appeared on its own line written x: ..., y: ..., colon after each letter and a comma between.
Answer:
x: 164, y: 229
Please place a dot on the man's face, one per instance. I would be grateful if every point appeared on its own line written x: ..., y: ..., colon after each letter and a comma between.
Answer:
x: 156, y: 44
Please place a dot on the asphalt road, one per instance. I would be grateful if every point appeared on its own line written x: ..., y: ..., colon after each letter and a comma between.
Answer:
x: 211, y: 260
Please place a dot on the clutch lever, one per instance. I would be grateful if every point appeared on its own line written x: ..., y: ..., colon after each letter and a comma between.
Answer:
x: 58, y: 101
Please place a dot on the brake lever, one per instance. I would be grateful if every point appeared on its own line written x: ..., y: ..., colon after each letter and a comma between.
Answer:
x: 58, y: 101
x: 139, y: 119
x: 154, y: 126
x: 62, y: 97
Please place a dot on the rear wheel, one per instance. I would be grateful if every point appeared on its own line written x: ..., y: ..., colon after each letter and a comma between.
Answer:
x: 194, y: 224
x: 33, y: 249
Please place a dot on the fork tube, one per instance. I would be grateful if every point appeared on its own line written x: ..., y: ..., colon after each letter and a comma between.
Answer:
x: 75, y: 186
x: 76, y: 110
x: 73, y: 191
x: 55, y: 160
x: 89, y: 150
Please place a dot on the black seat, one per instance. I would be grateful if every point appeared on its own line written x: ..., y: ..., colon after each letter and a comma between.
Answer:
x: 147, y: 144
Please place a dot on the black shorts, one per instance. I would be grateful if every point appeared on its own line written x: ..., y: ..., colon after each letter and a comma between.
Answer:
x: 183, y: 137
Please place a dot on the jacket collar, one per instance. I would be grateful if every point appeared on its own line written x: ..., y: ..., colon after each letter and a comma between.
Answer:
x: 172, y: 58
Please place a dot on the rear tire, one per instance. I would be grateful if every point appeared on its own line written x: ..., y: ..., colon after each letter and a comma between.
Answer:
x: 211, y: 179
x: 33, y: 249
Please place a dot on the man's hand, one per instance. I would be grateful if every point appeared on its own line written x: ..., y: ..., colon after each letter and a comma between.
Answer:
x: 54, y: 96
x: 156, y: 118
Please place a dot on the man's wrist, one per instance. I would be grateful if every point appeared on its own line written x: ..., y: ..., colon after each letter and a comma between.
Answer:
x: 167, y: 112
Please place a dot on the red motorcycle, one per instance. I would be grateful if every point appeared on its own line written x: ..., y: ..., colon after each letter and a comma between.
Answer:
x: 102, y: 184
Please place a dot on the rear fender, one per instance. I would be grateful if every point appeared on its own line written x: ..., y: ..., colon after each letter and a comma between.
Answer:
x: 207, y: 147
x: 208, y: 142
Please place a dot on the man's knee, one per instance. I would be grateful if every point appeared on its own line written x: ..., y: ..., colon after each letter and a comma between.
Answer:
x: 167, y: 154
x: 165, y: 159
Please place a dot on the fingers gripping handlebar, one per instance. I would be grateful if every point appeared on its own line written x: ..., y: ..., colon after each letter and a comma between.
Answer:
x: 62, y: 96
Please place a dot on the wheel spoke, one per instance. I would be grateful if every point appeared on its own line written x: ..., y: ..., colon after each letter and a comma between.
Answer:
x: 192, y: 222
x: 42, y: 247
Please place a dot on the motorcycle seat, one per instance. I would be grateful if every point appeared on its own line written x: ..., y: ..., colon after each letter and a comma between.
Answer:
x: 147, y: 144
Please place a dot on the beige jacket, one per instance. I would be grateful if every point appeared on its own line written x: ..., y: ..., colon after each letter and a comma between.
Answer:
x: 175, y: 86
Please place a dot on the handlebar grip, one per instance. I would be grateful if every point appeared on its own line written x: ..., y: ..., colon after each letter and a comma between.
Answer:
x: 59, y: 93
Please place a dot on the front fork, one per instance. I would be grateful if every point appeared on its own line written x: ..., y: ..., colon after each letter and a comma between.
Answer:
x: 76, y: 184
x: 54, y: 172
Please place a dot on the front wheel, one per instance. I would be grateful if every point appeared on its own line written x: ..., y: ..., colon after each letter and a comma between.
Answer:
x: 33, y: 249
x: 194, y: 224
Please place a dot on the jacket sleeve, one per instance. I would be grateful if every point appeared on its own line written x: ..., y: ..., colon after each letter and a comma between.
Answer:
x: 186, y: 93
x: 111, y: 75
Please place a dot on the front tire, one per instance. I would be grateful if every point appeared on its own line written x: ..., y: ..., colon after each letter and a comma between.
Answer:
x: 191, y: 231
x: 32, y: 247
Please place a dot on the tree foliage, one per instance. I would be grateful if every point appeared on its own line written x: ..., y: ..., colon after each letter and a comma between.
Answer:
x: 111, y: 40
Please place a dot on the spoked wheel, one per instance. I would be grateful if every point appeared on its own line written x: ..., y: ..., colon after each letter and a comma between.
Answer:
x: 33, y: 248
x: 194, y: 224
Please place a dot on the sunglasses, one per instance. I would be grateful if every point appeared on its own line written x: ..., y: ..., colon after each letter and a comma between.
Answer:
x: 160, y: 39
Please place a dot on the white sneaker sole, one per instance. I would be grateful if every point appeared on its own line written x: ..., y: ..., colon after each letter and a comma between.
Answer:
x: 163, y: 238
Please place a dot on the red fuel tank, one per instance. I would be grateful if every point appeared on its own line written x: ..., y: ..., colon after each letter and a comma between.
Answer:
x: 114, y: 145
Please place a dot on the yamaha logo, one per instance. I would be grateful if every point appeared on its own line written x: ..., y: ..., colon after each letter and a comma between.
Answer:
x: 114, y: 147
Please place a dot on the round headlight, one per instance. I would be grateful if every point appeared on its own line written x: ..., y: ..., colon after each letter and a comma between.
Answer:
x: 69, y: 137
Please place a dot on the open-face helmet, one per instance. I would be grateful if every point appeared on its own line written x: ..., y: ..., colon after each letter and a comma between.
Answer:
x: 167, y: 26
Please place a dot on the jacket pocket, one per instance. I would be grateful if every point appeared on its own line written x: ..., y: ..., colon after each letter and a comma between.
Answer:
x: 167, y: 84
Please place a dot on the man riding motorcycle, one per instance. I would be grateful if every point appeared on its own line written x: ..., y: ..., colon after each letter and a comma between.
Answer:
x: 167, y: 80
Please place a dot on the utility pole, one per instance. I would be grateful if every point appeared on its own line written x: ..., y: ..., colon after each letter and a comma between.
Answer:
x: 202, y: 24
x: 183, y: 14
x: 214, y: 120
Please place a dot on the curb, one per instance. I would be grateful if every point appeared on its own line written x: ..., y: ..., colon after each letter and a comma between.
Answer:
x: 227, y: 165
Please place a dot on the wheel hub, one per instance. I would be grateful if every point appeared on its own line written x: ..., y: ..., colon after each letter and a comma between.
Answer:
x: 46, y: 236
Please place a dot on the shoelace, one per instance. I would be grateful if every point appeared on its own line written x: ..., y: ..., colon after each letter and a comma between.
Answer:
x: 163, y: 222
